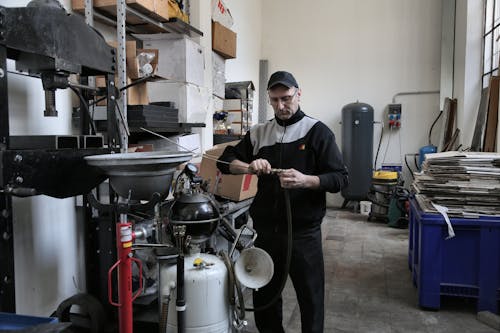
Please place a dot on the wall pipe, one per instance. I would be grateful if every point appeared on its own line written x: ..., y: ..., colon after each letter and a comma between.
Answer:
x: 406, y: 93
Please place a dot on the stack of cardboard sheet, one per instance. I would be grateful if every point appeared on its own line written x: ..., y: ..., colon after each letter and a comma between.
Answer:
x: 467, y: 183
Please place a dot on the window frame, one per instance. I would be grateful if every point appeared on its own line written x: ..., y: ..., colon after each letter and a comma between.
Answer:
x: 490, y: 42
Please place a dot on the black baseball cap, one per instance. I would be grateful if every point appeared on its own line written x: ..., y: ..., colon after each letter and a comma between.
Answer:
x: 282, y: 77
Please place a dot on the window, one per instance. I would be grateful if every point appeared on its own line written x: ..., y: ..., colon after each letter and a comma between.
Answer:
x: 491, y: 40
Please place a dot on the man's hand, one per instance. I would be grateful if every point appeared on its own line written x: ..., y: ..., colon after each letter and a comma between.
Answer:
x: 291, y: 178
x: 260, y: 166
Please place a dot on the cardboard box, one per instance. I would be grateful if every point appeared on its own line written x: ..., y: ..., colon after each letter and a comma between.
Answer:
x: 191, y: 100
x: 233, y: 187
x: 137, y: 94
x: 218, y: 75
x: 167, y: 9
x: 180, y: 59
x: 223, y: 41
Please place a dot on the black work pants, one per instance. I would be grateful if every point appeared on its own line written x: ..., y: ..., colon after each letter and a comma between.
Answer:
x: 307, y: 275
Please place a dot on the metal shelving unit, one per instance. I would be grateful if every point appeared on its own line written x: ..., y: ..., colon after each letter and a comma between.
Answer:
x: 100, y: 230
x: 150, y: 25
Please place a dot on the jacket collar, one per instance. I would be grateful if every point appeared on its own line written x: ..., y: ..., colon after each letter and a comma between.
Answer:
x: 293, y: 119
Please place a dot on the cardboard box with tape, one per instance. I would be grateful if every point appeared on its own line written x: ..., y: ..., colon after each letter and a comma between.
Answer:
x: 233, y: 187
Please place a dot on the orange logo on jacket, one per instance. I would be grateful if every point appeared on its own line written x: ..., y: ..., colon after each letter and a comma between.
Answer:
x: 302, y: 147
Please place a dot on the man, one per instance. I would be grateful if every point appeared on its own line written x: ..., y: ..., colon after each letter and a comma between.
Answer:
x: 310, y: 164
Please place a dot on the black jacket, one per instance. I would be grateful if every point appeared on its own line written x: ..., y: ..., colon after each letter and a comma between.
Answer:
x: 302, y: 143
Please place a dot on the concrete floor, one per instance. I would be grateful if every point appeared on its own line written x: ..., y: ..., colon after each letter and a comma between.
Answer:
x: 369, y: 287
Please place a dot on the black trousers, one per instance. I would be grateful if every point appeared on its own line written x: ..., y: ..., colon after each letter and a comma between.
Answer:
x: 307, y: 275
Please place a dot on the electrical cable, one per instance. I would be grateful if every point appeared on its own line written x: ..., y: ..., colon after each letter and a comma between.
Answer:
x: 142, y: 79
x: 408, y: 165
x: 400, y: 149
x: 122, y: 117
x: 86, y: 107
x: 378, y: 148
x: 432, y: 126
x: 417, y: 165
x: 387, y: 146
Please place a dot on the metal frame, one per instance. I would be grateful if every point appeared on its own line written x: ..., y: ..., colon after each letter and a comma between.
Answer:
x: 18, y: 167
x: 7, y: 275
x: 488, y: 72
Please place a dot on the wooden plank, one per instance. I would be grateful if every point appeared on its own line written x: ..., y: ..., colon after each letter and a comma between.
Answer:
x: 490, y: 135
x: 450, y: 122
x: 497, y: 141
x: 146, y: 7
x: 477, y: 138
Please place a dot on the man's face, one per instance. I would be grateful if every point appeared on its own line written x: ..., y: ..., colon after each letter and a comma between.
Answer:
x: 285, y: 101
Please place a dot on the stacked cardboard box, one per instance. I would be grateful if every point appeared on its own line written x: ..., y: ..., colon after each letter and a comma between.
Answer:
x: 182, y: 64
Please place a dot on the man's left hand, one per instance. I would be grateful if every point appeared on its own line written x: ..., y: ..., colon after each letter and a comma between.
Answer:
x: 291, y: 178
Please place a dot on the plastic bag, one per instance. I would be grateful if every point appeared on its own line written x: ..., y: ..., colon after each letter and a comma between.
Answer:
x: 221, y: 13
x: 145, y: 59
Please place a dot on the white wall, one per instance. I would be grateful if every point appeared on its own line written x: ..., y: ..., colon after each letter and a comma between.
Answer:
x: 346, y: 51
x: 247, y: 17
x: 48, y: 246
x: 468, y: 53
x: 200, y: 18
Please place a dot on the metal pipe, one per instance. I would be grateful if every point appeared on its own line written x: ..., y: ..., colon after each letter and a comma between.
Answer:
x: 180, y: 304
x: 406, y: 93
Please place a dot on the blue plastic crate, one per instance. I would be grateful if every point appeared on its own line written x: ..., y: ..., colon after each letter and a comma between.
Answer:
x: 467, y: 265
x: 12, y: 321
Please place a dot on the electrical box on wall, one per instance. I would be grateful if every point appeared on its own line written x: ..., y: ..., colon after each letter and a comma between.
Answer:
x: 394, y: 116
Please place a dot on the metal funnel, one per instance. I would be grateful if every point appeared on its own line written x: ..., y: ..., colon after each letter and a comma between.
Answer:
x: 139, y: 175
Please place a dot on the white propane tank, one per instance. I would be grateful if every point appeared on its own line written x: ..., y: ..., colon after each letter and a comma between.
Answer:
x: 205, y: 292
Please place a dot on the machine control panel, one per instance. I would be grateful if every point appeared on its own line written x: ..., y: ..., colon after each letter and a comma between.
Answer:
x: 394, y: 116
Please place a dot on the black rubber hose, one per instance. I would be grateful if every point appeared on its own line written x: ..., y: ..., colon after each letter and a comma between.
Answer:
x: 408, y: 166
x: 135, y: 82
x: 288, y: 255
x: 86, y: 107
x: 378, y: 148
x: 432, y: 126
x: 233, y: 284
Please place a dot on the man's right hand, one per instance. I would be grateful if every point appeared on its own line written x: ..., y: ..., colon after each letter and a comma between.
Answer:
x: 260, y: 166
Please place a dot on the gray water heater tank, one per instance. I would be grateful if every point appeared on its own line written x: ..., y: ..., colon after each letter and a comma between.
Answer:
x: 357, y: 149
